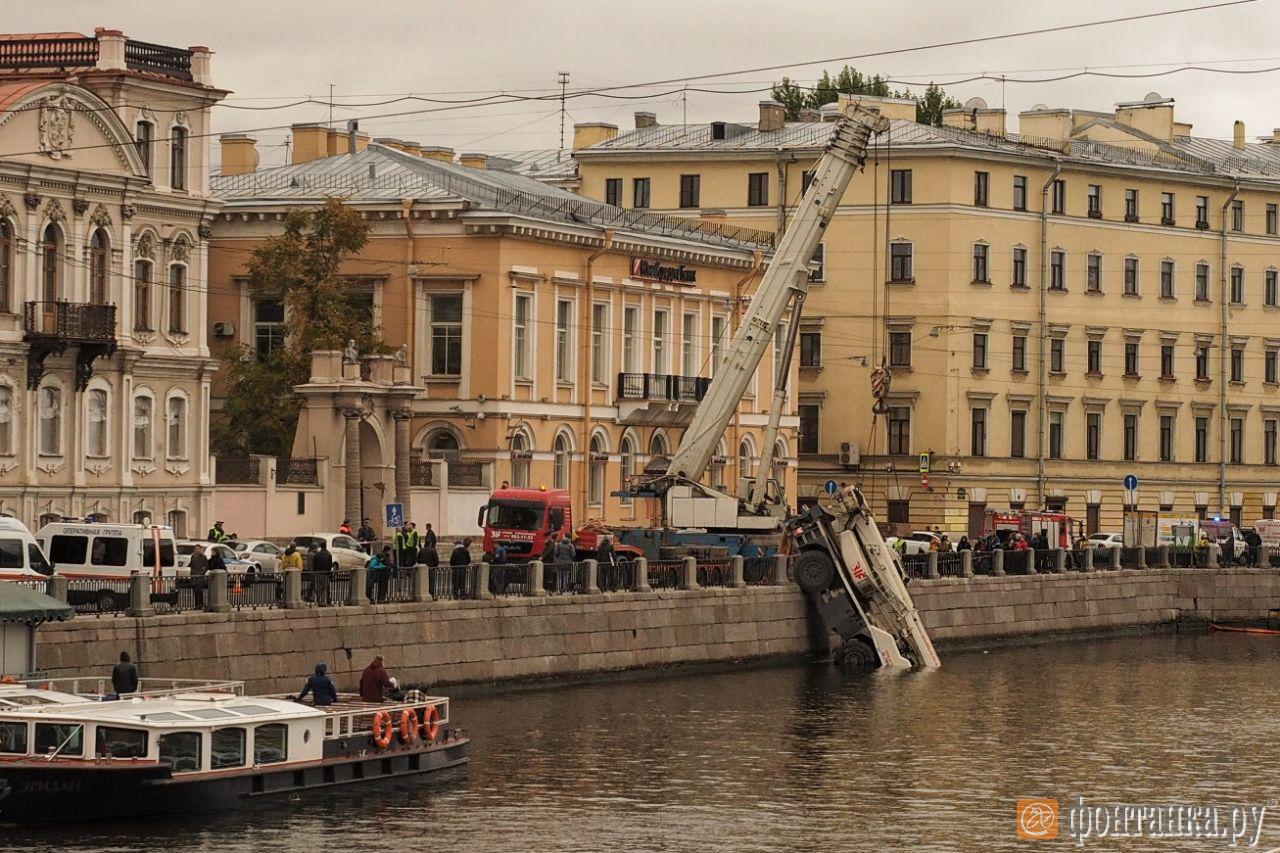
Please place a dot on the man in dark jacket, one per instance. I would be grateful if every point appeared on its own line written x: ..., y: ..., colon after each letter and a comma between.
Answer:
x: 321, y: 687
x: 124, y: 676
x: 429, y: 537
x: 366, y: 536
x: 459, y: 560
x: 321, y: 568
x: 376, y: 682
x: 217, y: 563
x: 198, y: 566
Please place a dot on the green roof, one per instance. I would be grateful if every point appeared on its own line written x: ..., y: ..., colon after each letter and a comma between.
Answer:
x: 20, y: 603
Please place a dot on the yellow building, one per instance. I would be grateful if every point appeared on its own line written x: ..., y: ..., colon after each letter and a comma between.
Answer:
x: 545, y: 340
x: 1093, y: 297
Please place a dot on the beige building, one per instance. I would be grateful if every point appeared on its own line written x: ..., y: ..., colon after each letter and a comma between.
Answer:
x: 104, y: 210
x: 534, y: 337
x: 1093, y: 297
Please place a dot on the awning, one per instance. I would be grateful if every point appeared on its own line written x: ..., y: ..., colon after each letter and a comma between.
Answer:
x: 22, y: 604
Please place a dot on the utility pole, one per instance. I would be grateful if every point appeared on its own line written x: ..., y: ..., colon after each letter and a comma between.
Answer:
x: 563, y: 80
x: 330, y: 105
x: 684, y: 99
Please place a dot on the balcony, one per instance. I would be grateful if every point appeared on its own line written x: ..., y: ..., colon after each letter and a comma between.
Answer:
x: 51, y: 327
x: 75, y: 52
x: 659, y: 399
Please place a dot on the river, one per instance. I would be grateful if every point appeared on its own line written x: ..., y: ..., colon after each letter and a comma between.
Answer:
x: 804, y: 758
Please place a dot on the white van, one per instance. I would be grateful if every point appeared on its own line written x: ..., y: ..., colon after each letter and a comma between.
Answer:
x: 81, y: 549
x: 20, y: 554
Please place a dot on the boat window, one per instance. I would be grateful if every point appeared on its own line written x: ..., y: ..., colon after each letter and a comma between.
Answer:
x: 226, y: 749
x: 13, y: 738
x: 10, y: 553
x: 271, y: 744
x: 252, y: 710
x: 181, y: 750
x: 110, y: 551
x: 165, y: 717
x: 69, y: 549
x: 64, y: 738
x: 210, y: 714
x: 121, y: 743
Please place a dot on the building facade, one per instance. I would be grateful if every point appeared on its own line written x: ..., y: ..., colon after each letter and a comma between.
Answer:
x: 104, y: 216
x: 1093, y: 297
x: 532, y: 337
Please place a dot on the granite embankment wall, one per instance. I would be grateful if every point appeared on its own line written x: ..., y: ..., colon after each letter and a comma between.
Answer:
x: 457, y: 642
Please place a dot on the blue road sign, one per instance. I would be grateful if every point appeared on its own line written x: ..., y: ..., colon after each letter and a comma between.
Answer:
x: 1130, y: 482
x: 831, y: 487
x: 395, y: 515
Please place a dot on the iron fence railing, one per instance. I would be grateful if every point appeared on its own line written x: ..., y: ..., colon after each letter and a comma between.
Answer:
x: 915, y: 565
x: 665, y: 574
x: 662, y: 386
x: 509, y: 579
x: 1129, y: 557
x: 616, y: 577
x: 453, y: 582
x: 239, y: 471
x: 1151, y: 556
x: 257, y: 590
x: 758, y: 571
x: 564, y: 577
x: 715, y: 573
x: 98, y: 595
x: 950, y: 565
x: 423, y: 473
x: 982, y: 563
x: 1017, y: 562
x: 157, y: 58
x: 297, y: 471
x: 326, y: 589
x: 1046, y: 560
x: 70, y: 321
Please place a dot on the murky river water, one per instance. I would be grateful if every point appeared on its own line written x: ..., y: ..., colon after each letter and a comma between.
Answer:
x: 804, y: 758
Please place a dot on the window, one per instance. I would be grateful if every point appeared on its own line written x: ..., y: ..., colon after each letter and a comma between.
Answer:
x: 560, y: 462
x: 99, y: 254
x: 182, y: 751
x: 268, y: 326
x: 1237, y: 215
x: 1237, y: 441
x: 818, y: 264
x: 69, y: 549
x: 142, y: 296
x: 900, y: 262
x: 1202, y: 282
x: 977, y: 432
x: 1055, y: 434
x: 67, y: 739
x: 1202, y: 212
x: 520, y: 452
x: 1271, y: 219
x: 109, y: 551
x: 599, y: 352
x: 899, y: 349
x: 980, y: 350
x: 142, y: 443
x: 144, y: 135
x: 640, y: 193
x: 980, y: 251
x: 779, y: 344
x: 96, y: 428
x: 900, y: 186
x: 178, y: 158
x: 757, y: 189
x: 177, y: 519
x: 446, y: 334
x: 627, y: 465
x: 1019, y: 362
x: 50, y: 421
x: 1019, y: 267
x: 613, y: 191
x: 689, y: 345
x: 1018, y: 434
x: 981, y: 181
x: 809, y: 415
x: 1130, y: 205
x: 1057, y: 355
x: 1269, y: 441
x: 271, y: 744
x: 806, y: 180
x: 1130, y: 276
x: 1166, y: 438
x: 1202, y: 361
x: 811, y: 349
x: 177, y: 299
x: 1059, y: 196
x: 564, y: 340
x: 1166, y: 361
x: 659, y: 341
x: 13, y: 738
x: 1268, y: 362
x: 1166, y: 280
x: 1092, y: 435
x: 1166, y: 209
x: 719, y: 326
x: 1019, y: 192
x: 596, y: 472
x: 1237, y: 364
x: 1269, y: 296
x: 1093, y: 357
x: 176, y: 420
x: 522, y: 344
x: 50, y: 269
x: 1130, y: 436
x: 899, y: 425
x: 630, y: 331
x: 1131, y: 359
x: 6, y: 420
x: 690, y: 190
x: 1093, y: 274
x: 1237, y: 285
x: 1057, y: 270
x: 1202, y: 439
x: 1095, y: 201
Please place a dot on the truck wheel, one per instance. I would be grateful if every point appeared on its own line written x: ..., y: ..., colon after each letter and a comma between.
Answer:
x: 814, y: 571
x: 857, y: 655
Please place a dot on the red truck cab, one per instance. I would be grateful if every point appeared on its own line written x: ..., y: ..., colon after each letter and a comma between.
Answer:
x: 521, y: 520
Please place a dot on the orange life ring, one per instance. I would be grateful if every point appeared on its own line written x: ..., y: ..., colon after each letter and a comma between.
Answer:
x: 408, y: 726
x: 382, y: 729
x: 430, y: 724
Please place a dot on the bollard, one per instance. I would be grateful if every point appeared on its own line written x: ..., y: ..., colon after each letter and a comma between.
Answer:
x: 780, y: 577
x: 1163, y: 557
x: 1264, y: 557
x: 1060, y: 563
x: 140, y: 595
x: 1211, y: 559
x: 997, y: 562
x: 642, y: 575
x: 536, y: 589
x: 966, y: 564
x: 931, y: 566
x: 689, y: 577
x: 1087, y: 560
x: 738, y: 565
x: 593, y: 577
x: 482, y: 581
x: 358, y: 596
x: 421, y: 582
x: 56, y: 587
x: 292, y: 591
x: 216, y: 599
x: 1031, y: 561
x: 1142, y: 557
x: 1115, y: 559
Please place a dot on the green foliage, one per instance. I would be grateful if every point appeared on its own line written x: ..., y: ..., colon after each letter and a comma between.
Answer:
x: 300, y: 266
x: 850, y: 81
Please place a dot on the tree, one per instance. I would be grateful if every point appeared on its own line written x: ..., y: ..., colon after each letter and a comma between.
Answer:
x: 299, y: 266
x: 850, y: 81
x: 929, y: 108
x: 792, y: 97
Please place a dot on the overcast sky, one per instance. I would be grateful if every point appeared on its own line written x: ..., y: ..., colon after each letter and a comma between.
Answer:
x: 273, y: 52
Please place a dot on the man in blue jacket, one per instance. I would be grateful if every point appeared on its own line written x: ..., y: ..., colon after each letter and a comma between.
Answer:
x: 321, y: 687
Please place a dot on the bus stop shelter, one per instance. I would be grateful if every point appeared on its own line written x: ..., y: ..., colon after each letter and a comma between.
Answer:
x: 22, y: 610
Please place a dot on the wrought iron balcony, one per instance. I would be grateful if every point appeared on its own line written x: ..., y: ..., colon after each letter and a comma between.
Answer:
x: 662, y: 386
x: 50, y: 327
x: 83, y: 52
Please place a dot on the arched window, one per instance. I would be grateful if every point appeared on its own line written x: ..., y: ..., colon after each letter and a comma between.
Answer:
x: 599, y: 461
x: 178, y: 158
x: 6, y: 420
x: 142, y: 516
x: 6, y: 264
x: 50, y: 421
x: 658, y: 445
x: 560, y: 462
x: 716, y: 468
x: 142, y: 442
x: 96, y: 428
x: 178, y: 521
x: 176, y: 418
x: 99, y: 253
x: 520, y: 461
x: 780, y: 455
x: 443, y: 444
x: 627, y: 457
x: 746, y: 456
x: 177, y: 298
x: 142, y: 296
x: 50, y: 249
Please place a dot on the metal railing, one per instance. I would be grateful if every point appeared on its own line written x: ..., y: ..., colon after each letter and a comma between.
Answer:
x: 509, y: 579
x: 255, y: 590
x: 39, y: 585
x: 326, y: 589
x: 1151, y: 556
x: 99, y: 595
x: 1129, y: 557
x: 1046, y: 560
x: 423, y: 473
x: 297, y: 471
x: 949, y: 565
x: 158, y: 59
x: 239, y: 471
x: 70, y: 321
x: 982, y: 563
x: 1017, y: 562
x: 758, y: 571
x: 665, y: 574
x: 564, y: 578
x: 715, y: 573
x: 662, y: 386
x: 453, y: 582
x: 616, y: 577
x: 914, y: 565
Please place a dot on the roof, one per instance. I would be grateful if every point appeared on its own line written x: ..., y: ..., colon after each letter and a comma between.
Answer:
x: 22, y: 604
x: 544, y: 164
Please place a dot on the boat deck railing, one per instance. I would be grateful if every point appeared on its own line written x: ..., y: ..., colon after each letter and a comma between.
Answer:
x: 95, y: 688
x: 351, y: 716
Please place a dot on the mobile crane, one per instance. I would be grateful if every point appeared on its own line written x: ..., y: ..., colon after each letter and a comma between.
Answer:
x: 853, y: 578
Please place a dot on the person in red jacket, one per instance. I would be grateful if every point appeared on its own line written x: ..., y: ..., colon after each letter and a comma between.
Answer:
x: 375, y: 682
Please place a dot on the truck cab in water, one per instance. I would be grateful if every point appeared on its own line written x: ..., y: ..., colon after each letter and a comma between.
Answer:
x: 521, y: 520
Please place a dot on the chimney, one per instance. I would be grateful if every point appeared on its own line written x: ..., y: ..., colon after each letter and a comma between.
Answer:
x: 1238, y: 136
x: 110, y: 49
x: 239, y: 156
x: 644, y: 119
x: 773, y: 116
x: 808, y: 114
x: 411, y: 148
x: 990, y: 122
x: 353, y: 133
x: 1275, y: 136
x: 829, y: 112
x: 389, y: 142
x: 200, y: 65
x: 435, y: 152
x: 310, y: 142
x: 1045, y: 123
x: 474, y: 161
x: 959, y: 118
x: 592, y: 133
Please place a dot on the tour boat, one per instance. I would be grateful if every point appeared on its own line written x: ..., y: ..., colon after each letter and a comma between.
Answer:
x: 71, y: 751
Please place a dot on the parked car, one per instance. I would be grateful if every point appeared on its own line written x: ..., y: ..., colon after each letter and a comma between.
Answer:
x: 20, y: 555
x: 1106, y: 540
x: 919, y: 542
x: 345, y: 550
x: 235, y: 565
x: 264, y: 555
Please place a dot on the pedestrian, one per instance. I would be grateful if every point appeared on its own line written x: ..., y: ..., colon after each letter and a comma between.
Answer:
x: 216, y: 533
x: 605, y: 555
x: 1226, y: 550
x: 292, y: 560
x: 429, y: 537
x: 379, y: 575
x: 566, y: 554
x: 124, y: 676
x: 549, y: 550
x: 345, y: 527
x: 321, y: 687
x: 376, y: 682
x: 366, y: 536
x: 963, y: 544
x: 197, y: 568
x: 944, y: 546
x: 1254, y: 541
x: 427, y: 553
x: 321, y: 569
x: 459, y: 560
x: 409, y: 551
x: 217, y: 563
x: 1020, y: 543
x: 506, y: 484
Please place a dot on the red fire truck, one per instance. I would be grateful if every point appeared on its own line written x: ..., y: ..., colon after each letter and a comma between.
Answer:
x: 522, y: 519
x: 1058, y: 527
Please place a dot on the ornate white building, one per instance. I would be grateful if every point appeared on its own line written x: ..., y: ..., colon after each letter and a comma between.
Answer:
x: 104, y: 211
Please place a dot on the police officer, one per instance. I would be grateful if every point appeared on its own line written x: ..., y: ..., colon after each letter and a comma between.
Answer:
x: 217, y: 534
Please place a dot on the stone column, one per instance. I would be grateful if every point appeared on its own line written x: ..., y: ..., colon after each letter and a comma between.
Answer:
x: 1060, y: 564
x: 931, y: 565
x: 216, y: 599
x: 966, y: 564
x: 421, y: 582
x: 351, y: 506
x: 593, y: 577
x: 56, y: 587
x: 482, y: 574
x: 1031, y: 561
x: 1142, y: 557
x: 140, y: 595
x: 1163, y: 560
x: 1264, y: 557
x: 1115, y: 559
x: 403, y: 460
x: 1212, y: 561
x: 536, y: 588
x: 358, y: 595
x: 292, y: 591
x: 689, y: 577
x: 997, y: 562
x: 1087, y: 558
x: 780, y: 570
x: 739, y: 567
x: 642, y: 575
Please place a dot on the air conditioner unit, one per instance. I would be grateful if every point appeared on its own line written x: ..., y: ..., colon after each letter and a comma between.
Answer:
x: 1202, y: 224
x: 224, y: 330
x: 850, y: 454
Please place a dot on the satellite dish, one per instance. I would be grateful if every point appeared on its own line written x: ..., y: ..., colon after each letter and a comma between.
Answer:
x: 1152, y: 98
x: 975, y: 104
x: 1039, y: 107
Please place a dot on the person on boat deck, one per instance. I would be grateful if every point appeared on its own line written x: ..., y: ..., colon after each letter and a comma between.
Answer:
x: 124, y: 675
x: 321, y: 687
x: 376, y: 683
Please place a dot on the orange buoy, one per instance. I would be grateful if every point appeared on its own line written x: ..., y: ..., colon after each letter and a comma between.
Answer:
x: 408, y: 726
x: 381, y: 731
x: 430, y: 723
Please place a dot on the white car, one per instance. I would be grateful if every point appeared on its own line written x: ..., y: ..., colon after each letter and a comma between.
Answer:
x: 235, y: 564
x: 1106, y: 540
x: 261, y: 553
x: 346, y: 551
x: 919, y: 542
